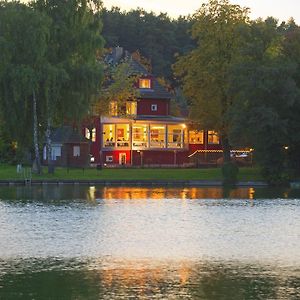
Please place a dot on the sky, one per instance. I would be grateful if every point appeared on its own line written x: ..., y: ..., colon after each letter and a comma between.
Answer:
x: 280, y: 9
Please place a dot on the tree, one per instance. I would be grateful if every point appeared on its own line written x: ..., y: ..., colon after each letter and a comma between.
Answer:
x: 265, y: 95
x: 23, y: 38
x: 218, y: 27
x: 73, y: 74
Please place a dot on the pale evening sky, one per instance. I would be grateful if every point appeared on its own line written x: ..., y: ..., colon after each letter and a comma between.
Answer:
x: 280, y: 9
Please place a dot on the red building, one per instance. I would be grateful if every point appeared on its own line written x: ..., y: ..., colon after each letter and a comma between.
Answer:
x: 146, y: 133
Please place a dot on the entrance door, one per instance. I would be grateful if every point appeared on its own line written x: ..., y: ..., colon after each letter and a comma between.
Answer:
x: 122, y: 158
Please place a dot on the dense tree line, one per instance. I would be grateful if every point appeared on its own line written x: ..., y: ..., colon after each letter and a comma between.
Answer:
x: 156, y: 37
x: 243, y: 80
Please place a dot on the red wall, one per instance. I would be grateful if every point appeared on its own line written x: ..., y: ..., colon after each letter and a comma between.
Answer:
x: 144, y: 107
x: 115, y: 155
x: 94, y: 146
x: 159, y: 157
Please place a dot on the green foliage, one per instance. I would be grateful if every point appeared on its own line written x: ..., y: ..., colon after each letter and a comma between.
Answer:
x: 156, y: 37
x: 120, y: 88
x: 205, y: 71
x: 266, y: 97
x: 73, y: 74
x: 24, y: 37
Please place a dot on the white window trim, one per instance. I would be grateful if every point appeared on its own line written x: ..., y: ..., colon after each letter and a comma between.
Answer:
x: 109, y: 158
x: 76, y: 151
x: 153, y: 107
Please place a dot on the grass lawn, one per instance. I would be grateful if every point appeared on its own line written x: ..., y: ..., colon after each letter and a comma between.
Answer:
x: 245, y: 174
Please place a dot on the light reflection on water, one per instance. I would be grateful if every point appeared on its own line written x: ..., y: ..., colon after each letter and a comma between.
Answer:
x: 79, y: 242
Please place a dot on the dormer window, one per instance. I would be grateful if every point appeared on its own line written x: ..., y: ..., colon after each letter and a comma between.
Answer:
x: 144, y: 83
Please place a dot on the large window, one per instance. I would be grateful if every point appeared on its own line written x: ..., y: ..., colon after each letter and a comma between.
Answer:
x: 213, y: 137
x: 196, y: 137
x: 122, y: 135
x: 175, y: 136
x: 116, y: 135
x: 140, y: 135
x: 131, y: 108
x: 157, y: 136
x: 109, y: 135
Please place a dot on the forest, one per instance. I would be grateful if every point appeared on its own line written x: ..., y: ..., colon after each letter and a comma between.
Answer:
x: 238, y: 76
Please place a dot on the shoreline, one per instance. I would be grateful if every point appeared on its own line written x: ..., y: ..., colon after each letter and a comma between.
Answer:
x: 167, y: 183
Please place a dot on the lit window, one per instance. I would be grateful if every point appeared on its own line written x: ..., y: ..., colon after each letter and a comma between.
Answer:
x: 131, y: 108
x: 175, y: 136
x: 122, y: 133
x: 196, y: 137
x: 109, y: 135
x: 144, y: 83
x: 76, y: 150
x: 113, y: 108
x: 157, y: 136
x: 213, y: 137
x: 90, y: 134
x: 140, y: 135
x: 153, y: 107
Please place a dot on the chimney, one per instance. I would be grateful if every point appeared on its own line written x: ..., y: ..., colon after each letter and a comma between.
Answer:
x: 117, y: 54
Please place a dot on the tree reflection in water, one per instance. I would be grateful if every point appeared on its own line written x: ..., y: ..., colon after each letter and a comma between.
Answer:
x: 142, y: 279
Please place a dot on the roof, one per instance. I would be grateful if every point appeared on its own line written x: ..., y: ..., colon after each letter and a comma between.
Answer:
x: 136, y: 68
x: 67, y: 135
x: 159, y: 118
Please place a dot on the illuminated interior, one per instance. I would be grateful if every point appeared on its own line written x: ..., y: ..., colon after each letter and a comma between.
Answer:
x: 144, y: 83
x: 140, y: 135
x: 90, y: 134
x: 196, y: 137
x: 122, y: 135
x: 157, y: 136
x: 175, y: 136
x: 109, y: 135
x: 213, y: 137
x: 144, y: 136
x: 113, y: 108
x: 131, y: 108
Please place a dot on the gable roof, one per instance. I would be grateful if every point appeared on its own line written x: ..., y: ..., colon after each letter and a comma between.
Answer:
x: 136, y: 68
x: 67, y: 135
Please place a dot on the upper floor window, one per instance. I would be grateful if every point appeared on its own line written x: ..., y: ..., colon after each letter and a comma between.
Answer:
x: 144, y: 83
x: 131, y: 108
x: 153, y: 107
x: 113, y: 108
x: 90, y: 134
x: 213, y: 137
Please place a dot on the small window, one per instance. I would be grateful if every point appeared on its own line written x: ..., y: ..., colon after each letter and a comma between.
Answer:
x: 90, y: 134
x: 113, y: 108
x: 196, y: 137
x: 213, y: 137
x: 144, y: 83
x: 109, y: 158
x: 153, y: 107
x: 76, y: 151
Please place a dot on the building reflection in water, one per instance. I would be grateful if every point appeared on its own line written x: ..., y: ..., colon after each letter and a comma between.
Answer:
x: 160, y: 193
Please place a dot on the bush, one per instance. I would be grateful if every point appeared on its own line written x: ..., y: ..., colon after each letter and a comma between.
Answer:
x: 230, y: 173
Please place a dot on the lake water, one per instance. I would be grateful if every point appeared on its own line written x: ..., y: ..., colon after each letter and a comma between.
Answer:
x: 90, y: 242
